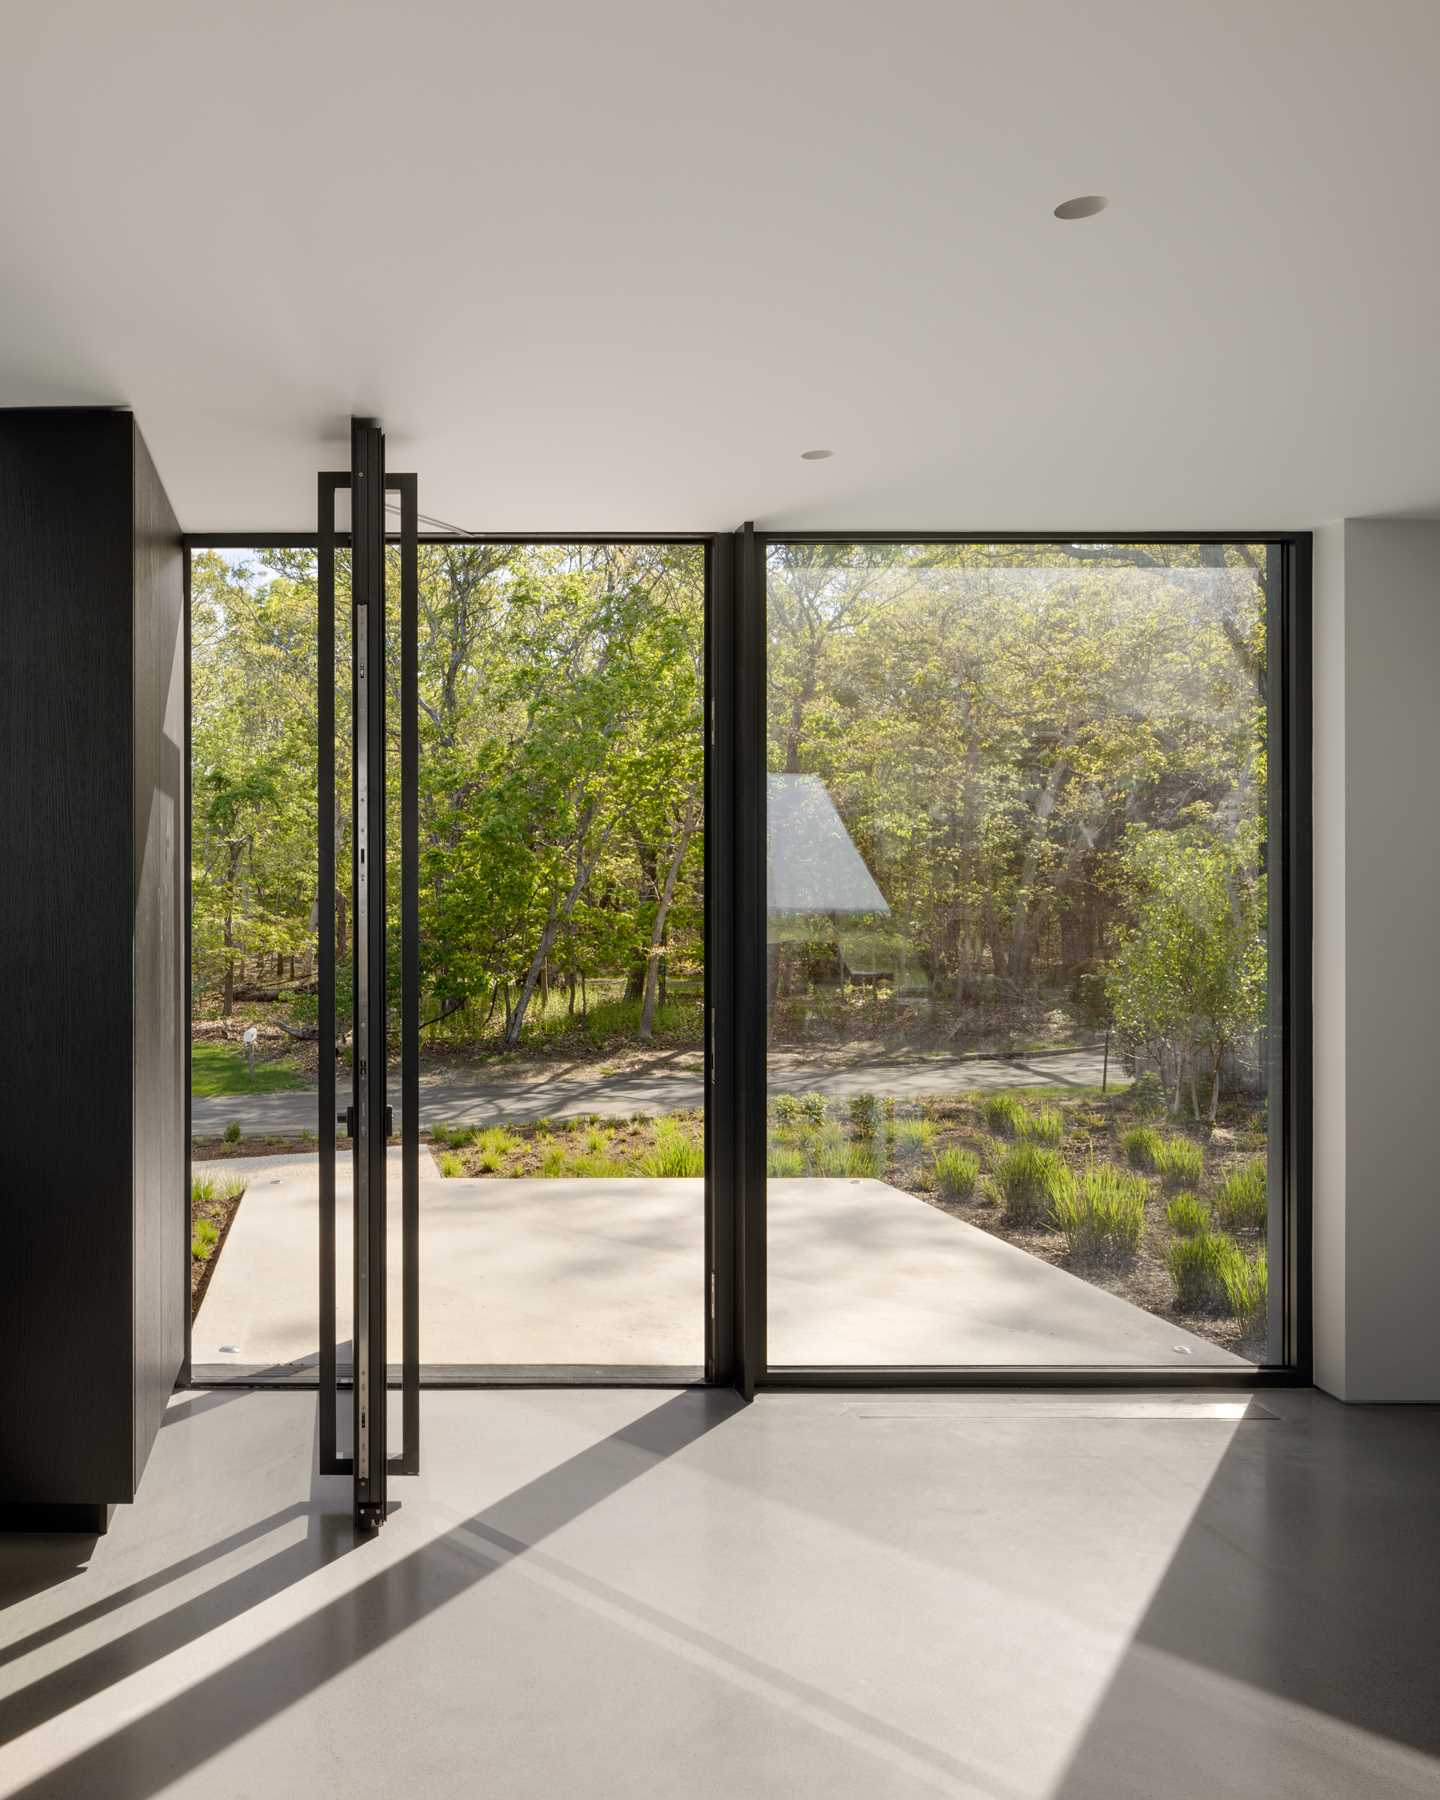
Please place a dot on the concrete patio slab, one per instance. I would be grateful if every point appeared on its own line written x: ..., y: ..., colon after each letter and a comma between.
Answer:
x: 582, y: 1271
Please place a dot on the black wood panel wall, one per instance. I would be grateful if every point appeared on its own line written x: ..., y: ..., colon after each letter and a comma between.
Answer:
x: 92, y: 1202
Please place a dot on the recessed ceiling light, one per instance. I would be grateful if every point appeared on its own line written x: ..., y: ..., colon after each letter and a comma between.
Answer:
x: 1084, y: 206
x: 815, y: 455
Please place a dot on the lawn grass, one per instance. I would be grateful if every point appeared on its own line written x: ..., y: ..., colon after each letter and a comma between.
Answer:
x: 218, y: 1069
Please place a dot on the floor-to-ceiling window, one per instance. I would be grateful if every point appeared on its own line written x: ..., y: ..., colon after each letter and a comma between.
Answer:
x: 1021, y: 963
x: 1024, y: 1020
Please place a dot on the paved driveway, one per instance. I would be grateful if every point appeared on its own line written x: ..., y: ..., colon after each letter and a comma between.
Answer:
x: 446, y: 1100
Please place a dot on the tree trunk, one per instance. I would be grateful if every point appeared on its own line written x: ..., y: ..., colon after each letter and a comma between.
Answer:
x: 662, y: 914
x: 236, y: 849
x: 559, y: 915
x: 1020, y: 924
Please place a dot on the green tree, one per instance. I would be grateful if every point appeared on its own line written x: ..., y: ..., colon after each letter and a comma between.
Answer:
x: 1189, y: 978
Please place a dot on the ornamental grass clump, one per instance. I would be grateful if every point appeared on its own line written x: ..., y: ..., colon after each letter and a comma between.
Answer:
x: 1203, y: 1268
x: 862, y: 1162
x: 956, y: 1172
x: 674, y: 1153
x: 1031, y: 1182
x: 594, y: 1164
x: 781, y: 1163
x: 828, y: 1151
x: 913, y: 1134
x: 1004, y: 1114
x: 1143, y: 1146
x: 449, y: 1164
x: 1241, y: 1200
x: 1043, y: 1126
x: 1102, y: 1216
x: 1187, y: 1215
x: 1247, y: 1290
x: 1180, y: 1163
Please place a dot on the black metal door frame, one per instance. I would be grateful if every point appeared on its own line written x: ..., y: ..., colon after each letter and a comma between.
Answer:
x: 367, y: 1119
x: 1288, y: 574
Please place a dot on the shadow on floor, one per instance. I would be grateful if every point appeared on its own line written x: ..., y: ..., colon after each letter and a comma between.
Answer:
x: 31, y: 1561
x: 1290, y: 1645
x: 145, y: 1756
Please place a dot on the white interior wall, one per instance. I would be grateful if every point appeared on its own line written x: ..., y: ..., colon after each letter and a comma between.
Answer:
x: 1377, y: 976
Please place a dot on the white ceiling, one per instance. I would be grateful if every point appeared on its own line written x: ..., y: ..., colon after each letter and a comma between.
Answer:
x: 616, y: 266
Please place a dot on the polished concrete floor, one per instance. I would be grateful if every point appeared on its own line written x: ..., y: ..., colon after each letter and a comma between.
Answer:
x: 594, y: 1271
x: 594, y: 1593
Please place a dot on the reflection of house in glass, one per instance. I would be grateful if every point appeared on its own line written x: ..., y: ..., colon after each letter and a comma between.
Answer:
x: 813, y: 867
x: 827, y: 913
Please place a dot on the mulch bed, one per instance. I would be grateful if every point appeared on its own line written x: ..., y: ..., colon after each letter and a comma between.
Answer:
x: 1092, y: 1132
x: 221, y: 1214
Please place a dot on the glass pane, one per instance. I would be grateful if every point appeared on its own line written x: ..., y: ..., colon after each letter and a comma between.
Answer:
x: 253, y: 975
x: 562, y: 967
x: 1017, y: 822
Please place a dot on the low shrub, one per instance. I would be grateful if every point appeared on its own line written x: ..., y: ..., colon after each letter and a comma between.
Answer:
x: 1186, y: 1215
x: 232, y: 1132
x: 1043, y: 1126
x: 1145, y: 1096
x: 864, y: 1114
x: 781, y: 1164
x: 1180, y: 1163
x: 786, y: 1109
x: 1102, y: 1215
x: 674, y: 1153
x: 956, y: 1172
x: 914, y: 1134
x: 1143, y: 1146
x: 814, y: 1108
x: 1201, y: 1267
x: 1031, y: 1181
x: 203, y: 1239
x: 1004, y: 1114
x: 1242, y: 1202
